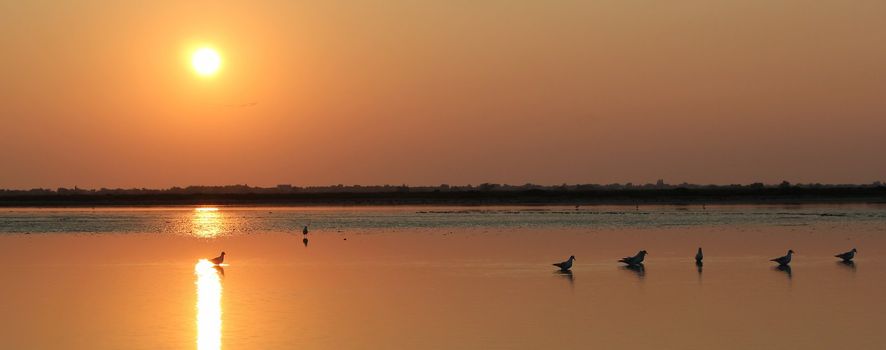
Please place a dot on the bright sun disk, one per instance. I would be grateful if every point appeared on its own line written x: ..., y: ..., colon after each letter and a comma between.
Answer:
x: 206, y: 61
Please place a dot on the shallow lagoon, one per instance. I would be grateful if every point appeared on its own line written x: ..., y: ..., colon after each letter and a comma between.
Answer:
x: 443, y: 278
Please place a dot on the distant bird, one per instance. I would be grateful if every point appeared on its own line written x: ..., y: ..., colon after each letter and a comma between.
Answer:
x: 218, y: 260
x: 847, y: 256
x: 305, y: 241
x: 634, y: 260
x: 304, y: 231
x: 566, y: 265
x: 785, y: 260
x: 699, y: 256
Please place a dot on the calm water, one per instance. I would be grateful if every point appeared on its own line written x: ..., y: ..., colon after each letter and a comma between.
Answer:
x: 441, y: 278
x: 239, y: 220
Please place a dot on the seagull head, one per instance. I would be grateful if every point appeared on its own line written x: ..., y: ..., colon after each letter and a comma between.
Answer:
x: 643, y: 252
x: 790, y: 251
x: 854, y: 250
x: 223, y: 253
x: 572, y: 257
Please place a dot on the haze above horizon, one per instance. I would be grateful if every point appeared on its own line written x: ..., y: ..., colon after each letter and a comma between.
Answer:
x: 105, y: 94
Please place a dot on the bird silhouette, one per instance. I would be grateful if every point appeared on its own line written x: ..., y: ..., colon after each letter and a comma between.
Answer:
x: 634, y: 260
x: 218, y: 260
x: 566, y: 265
x: 784, y: 260
x: 847, y: 256
x: 304, y: 231
x: 699, y: 256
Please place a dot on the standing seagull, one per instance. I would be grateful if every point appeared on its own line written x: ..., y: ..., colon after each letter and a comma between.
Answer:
x: 785, y: 260
x: 566, y: 265
x: 634, y: 260
x: 218, y: 260
x: 699, y: 256
x: 304, y: 231
x: 847, y: 256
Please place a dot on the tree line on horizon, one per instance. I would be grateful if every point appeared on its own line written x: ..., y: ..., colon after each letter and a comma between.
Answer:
x: 484, y: 187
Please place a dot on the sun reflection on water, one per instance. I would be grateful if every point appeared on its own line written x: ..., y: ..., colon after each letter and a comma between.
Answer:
x: 207, y: 222
x: 209, y: 292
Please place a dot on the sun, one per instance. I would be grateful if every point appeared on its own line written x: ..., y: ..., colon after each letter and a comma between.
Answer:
x: 206, y: 61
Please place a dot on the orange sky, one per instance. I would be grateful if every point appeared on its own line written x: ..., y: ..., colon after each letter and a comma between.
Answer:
x: 101, y: 93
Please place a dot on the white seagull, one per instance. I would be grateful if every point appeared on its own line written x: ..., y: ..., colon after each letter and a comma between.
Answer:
x: 847, y: 256
x: 566, y: 265
x: 634, y: 260
x: 785, y: 260
x: 218, y: 260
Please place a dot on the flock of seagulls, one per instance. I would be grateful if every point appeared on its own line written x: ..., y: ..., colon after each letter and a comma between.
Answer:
x: 630, y: 261
x: 636, y: 261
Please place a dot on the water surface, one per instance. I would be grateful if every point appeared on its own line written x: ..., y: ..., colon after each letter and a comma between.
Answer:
x: 441, y: 278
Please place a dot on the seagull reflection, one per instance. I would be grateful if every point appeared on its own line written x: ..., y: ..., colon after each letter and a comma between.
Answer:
x: 638, y: 269
x: 219, y: 269
x: 847, y: 264
x: 567, y: 275
x: 305, y: 241
x: 699, y: 266
x: 784, y: 268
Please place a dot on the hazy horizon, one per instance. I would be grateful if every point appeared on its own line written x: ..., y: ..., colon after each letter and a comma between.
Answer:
x: 102, y: 94
x: 460, y: 186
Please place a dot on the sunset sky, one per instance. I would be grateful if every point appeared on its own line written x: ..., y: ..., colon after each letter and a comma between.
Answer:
x: 104, y: 93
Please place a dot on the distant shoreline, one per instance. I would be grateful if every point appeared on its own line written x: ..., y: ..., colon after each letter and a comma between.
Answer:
x: 675, y: 196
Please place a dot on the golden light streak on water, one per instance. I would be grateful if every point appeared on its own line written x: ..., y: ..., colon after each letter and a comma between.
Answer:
x: 207, y: 222
x: 209, y: 311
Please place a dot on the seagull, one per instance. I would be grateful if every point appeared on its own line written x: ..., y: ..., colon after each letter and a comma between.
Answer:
x: 304, y: 231
x: 699, y: 256
x: 566, y: 265
x: 847, y: 256
x: 218, y: 260
x: 634, y: 260
x: 785, y: 260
